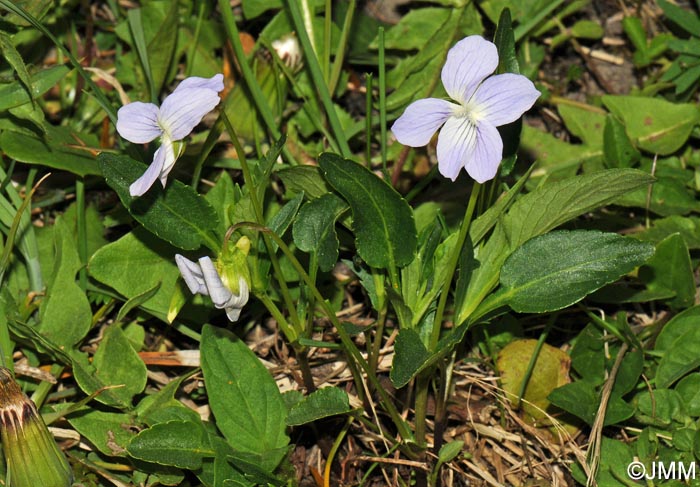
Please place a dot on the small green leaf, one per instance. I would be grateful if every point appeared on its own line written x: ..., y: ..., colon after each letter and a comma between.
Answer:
x: 59, y: 149
x: 656, y: 125
x: 65, y: 314
x: 685, y: 19
x: 110, y: 432
x: 117, y: 363
x: 382, y: 220
x: 449, y: 451
x: 409, y: 355
x: 587, y: 29
x: 306, y: 179
x: 239, y: 389
x: 681, y: 358
x: 15, y: 60
x: 181, y: 444
x: 560, y: 268
x: 618, y: 150
x: 322, y: 403
x: 670, y: 269
x: 177, y: 214
x: 505, y: 43
x: 14, y: 94
x: 136, y: 264
x: 254, y: 8
x: 314, y: 229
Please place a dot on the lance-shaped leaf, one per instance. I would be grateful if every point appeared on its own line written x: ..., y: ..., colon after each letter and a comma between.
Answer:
x: 382, y: 220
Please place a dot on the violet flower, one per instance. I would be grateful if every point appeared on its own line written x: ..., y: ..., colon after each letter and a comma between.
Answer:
x: 469, y: 138
x: 177, y: 116
x: 203, y: 278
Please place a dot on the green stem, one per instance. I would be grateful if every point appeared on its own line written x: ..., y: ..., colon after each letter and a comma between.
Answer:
x: 452, y: 266
x: 349, y: 345
x: 382, y: 102
x: 327, y: 42
x: 368, y: 120
x: 82, y: 232
x: 422, y: 387
x: 257, y: 208
x: 193, y: 48
x: 317, y: 77
x: 288, y: 331
x: 340, y: 52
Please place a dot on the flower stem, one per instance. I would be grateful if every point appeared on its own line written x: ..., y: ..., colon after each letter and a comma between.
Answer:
x: 452, y: 266
x: 348, y: 344
x: 250, y: 184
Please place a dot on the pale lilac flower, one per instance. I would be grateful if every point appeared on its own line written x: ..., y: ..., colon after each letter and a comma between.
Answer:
x: 203, y: 278
x: 469, y: 138
x: 177, y: 116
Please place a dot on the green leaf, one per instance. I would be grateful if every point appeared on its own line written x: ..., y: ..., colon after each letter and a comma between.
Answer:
x: 449, y: 451
x: 134, y: 265
x: 162, y: 46
x: 181, y: 444
x: 117, y: 363
x: 688, y: 227
x: 254, y: 8
x: 110, y: 432
x: 680, y: 358
x: 655, y: 125
x: 14, y: 94
x: 670, y: 269
x: 382, y: 220
x: 677, y: 326
x: 322, y: 403
x: 669, y: 196
x: 65, y: 314
x: 409, y: 354
x: 306, y: 179
x: 687, y: 20
x: 618, y: 150
x: 59, y: 149
x: 585, y: 124
x: 415, y: 29
x: 560, y: 268
x: 505, y: 43
x: 314, y: 229
x: 239, y: 389
x: 581, y: 399
x: 176, y: 214
x: 14, y: 59
x: 539, y: 212
x: 688, y: 389
x: 587, y: 29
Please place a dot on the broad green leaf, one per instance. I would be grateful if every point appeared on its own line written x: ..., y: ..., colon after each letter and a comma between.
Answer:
x: 243, y: 396
x: 382, y: 220
x: 177, y: 214
x: 682, y: 357
x: 688, y: 227
x: 14, y: 94
x: 304, y: 178
x: 557, y: 269
x: 409, y: 354
x: 136, y: 264
x: 619, y: 151
x: 670, y: 269
x: 181, y: 444
x: 615, y: 456
x: 117, y: 363
x: 585, y: 123
x: 110, y: 432
x: 661, y: 407
x: 539, y: 212
x: 688, y: 389
x: 314, y: 229
x: 669, y: 196
x: 556, y: 159
x: 322, y: 403
x: 655, y: 125
x: 65, y: 314
x: 415, y: 29
x: 581, y: 399
x: 162, y: 405
x: 60, y: 148
x: 677, y: 326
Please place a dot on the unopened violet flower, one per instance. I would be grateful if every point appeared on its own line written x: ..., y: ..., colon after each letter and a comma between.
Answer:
x: 202, y: 277
x: 177, y: 116
x: 469, y: 138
